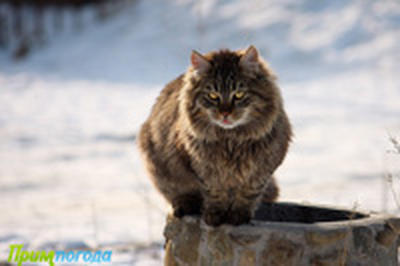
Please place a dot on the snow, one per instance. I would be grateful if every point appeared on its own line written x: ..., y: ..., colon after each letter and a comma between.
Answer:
x: 70, y: 173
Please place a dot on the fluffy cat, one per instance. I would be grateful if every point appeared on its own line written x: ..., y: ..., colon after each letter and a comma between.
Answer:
x: 215, y: 136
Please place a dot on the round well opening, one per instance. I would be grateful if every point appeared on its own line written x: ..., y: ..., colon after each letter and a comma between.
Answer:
x: 293, y: 213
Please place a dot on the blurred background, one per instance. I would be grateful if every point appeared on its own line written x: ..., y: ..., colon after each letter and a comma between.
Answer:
x: 78, y: 77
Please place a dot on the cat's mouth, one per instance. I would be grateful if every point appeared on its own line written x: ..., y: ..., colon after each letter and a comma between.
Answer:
x: 226, y: 121
x: 229, y: 121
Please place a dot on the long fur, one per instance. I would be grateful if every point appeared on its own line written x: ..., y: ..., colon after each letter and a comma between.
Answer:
x: 203, y: 168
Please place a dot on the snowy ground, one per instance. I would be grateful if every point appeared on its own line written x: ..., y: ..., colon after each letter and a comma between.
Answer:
x: 70, y: 176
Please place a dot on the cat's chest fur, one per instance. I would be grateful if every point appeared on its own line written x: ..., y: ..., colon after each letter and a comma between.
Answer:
x: 226, y: 160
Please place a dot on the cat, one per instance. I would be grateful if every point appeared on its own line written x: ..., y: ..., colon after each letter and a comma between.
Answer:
x: 215, y: 136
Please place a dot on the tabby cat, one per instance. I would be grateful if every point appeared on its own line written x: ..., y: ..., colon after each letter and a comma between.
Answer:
x: 215, y: 136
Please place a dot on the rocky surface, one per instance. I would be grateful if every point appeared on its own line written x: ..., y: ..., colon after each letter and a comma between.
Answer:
x: 359, y: 239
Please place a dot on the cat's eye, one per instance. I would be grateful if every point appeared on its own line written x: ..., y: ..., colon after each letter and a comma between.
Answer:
x: 239, y: 94
x: 213, y: 95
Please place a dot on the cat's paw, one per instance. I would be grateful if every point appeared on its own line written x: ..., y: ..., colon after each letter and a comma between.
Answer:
x: 214, y: 216
x: 188, y: 204
x: 238, y: 217
x: 186, y: 209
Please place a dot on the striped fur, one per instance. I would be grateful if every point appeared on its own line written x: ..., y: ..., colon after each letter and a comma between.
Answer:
x: 203, y: 167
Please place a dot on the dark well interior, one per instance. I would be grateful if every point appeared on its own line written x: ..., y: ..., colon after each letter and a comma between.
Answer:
x: 296, y: 213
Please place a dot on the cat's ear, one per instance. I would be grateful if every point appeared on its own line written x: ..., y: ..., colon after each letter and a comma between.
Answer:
x: 199, y: 62
x: 250, y: 59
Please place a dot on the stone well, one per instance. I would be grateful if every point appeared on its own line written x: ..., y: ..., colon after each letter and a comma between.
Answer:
x: 286, y: 234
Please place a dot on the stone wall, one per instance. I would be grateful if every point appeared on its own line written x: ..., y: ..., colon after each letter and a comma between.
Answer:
x: 365, y: 240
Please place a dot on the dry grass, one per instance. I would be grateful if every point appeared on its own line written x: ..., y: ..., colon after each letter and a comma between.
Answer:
x: 396, y: 144
x: 390, y: 177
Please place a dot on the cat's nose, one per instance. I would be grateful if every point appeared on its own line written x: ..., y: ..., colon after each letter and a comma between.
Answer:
x: 225, y: 114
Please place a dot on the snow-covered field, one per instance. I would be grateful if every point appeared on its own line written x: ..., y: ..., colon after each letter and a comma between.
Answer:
x: 70, y: 174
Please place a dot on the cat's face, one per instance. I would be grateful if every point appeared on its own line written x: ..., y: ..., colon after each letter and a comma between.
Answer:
x: 228, y: 103
x: 231, y: 90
